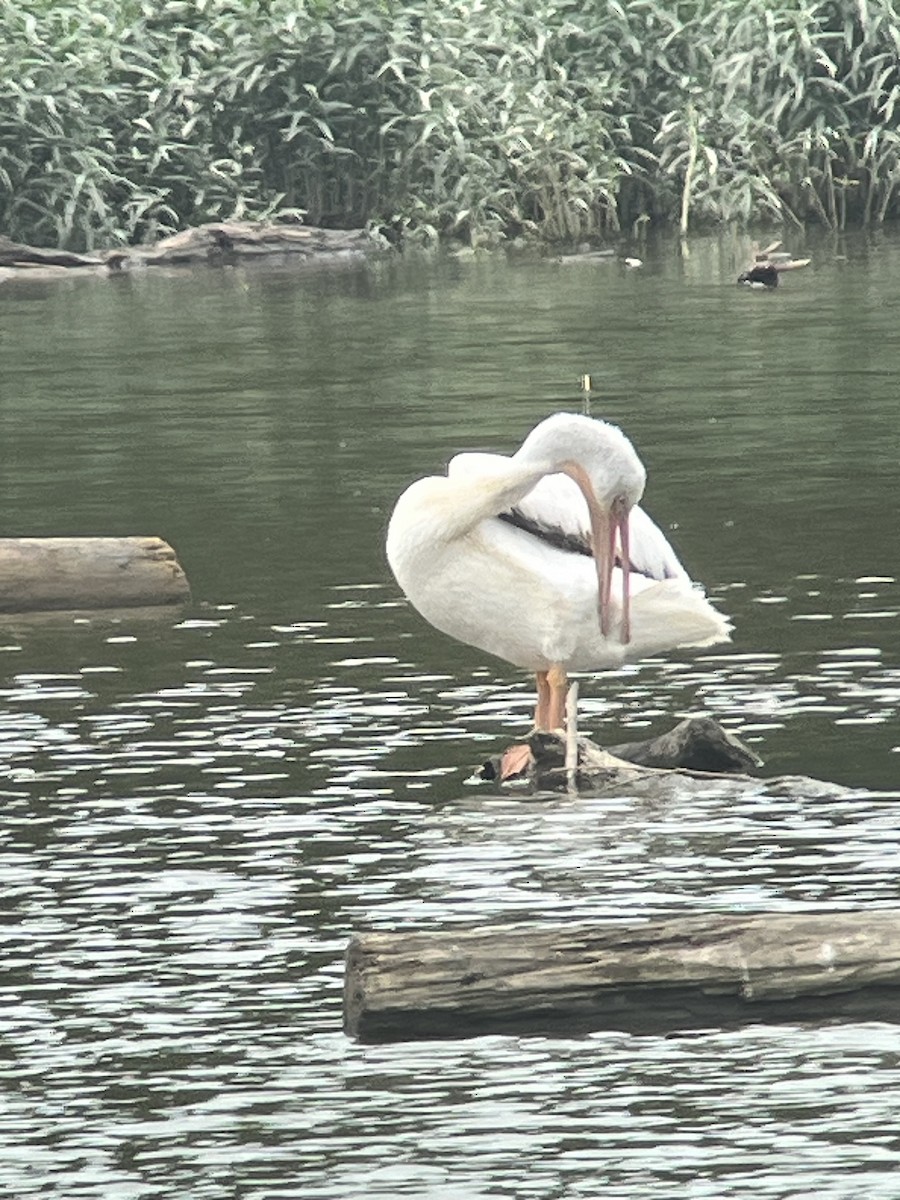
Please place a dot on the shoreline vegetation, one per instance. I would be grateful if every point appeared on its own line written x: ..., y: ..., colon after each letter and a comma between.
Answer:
x: 125, y: 121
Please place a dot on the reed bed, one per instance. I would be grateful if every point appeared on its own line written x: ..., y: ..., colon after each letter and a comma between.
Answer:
x: 122, y: 120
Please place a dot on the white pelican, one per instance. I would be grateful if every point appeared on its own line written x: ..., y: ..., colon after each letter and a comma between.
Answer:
x: 545, y: 559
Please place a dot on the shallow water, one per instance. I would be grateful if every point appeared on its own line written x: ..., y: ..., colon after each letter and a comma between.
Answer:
x: 197, y: 810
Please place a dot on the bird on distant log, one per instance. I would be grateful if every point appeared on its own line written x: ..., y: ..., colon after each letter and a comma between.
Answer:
x: 768, y: 266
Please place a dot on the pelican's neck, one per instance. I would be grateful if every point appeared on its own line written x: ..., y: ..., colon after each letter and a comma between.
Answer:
x: 441, y: 508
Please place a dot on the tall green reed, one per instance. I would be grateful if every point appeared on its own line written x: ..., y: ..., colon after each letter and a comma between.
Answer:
x: 122, y: 120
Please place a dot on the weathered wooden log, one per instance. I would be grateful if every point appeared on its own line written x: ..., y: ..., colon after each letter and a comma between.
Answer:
x: 661, y: 976
x: 41, y: 574
x: 17, y: 254
x: 215, y: 243
x: 697, y: 744
x: 229, y: 241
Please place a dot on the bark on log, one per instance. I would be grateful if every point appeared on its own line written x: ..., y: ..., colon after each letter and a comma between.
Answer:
x: 662, y: 976
x: 42, y: 574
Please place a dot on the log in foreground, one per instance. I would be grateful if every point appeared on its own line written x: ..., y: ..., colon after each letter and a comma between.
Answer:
x: 43, y: 574
x: 657, y: 977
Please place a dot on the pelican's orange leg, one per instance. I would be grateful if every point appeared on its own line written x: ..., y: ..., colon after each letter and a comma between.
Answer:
x: 542, y: 711
x: 558, y: 682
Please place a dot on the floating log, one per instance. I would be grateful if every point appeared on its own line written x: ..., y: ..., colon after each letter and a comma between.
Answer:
x: 42, y: 574
x: 697, y: 745
x: 656, y: 977
x: 17, y: 254
x: 233, y: 241
x: 215, y: 243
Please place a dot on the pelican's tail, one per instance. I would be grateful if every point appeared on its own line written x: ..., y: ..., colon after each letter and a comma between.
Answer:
x: 670, y: 614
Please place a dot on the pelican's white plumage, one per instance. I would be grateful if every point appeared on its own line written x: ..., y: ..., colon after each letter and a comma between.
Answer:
x: 470, y: 550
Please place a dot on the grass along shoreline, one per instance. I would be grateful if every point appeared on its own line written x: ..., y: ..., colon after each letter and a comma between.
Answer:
x: 126, y: 120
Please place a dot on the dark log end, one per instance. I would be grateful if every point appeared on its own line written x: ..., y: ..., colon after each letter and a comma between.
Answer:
x: 695, y: 744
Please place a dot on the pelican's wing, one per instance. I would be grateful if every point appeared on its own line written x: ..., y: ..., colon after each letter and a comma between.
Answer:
x: 556, y: 509
x: 650, y: 551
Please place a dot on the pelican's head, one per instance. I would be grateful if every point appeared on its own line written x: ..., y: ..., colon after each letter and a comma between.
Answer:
x: 602, y: 461
x: 600, y: 449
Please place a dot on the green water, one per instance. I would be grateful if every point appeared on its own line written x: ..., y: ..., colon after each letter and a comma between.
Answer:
x: 197, y: 810
x: 264, y: 423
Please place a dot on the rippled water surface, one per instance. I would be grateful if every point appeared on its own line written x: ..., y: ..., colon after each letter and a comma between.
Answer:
x: 197, y: 809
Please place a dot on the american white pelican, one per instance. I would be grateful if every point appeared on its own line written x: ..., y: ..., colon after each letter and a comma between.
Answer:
x: 545, y: 559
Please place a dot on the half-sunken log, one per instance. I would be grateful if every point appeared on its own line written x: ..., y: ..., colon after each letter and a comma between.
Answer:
x: 661, y: 976
x: 696, y: 744
x: 43, y: 574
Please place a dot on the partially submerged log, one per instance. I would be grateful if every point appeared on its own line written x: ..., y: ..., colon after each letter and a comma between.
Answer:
x: 17, y: 254
x: 657, y: 977
x: 216, y: 243
x: 232, y: 241
x: 42, y: 574
x: 696, y: 745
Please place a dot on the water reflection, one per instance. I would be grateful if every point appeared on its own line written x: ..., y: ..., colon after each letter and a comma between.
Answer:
x: 182, y: 865
x: 198, y: 809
